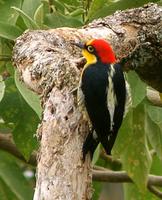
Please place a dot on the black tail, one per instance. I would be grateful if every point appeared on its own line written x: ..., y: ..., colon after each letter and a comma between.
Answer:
x: 106, y: 143
x: 111, y: 141
x: 89, y: 145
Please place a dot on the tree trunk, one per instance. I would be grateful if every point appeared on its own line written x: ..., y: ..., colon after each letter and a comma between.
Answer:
x: 50, y: 66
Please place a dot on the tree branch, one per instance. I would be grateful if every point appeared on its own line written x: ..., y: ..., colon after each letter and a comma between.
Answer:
x: 109, y: 159
x: 155, y: 191
x: 122, y: 177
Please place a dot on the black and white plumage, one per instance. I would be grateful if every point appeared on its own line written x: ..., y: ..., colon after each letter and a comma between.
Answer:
x: 102, y: 95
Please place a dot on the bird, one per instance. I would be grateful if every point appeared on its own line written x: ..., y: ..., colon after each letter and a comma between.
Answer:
x: 102, y: 95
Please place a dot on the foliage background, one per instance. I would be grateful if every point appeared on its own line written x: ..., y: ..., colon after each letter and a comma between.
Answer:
x: 139, y: 144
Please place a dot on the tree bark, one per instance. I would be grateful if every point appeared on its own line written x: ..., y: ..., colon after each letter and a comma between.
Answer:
x: 50, y: 65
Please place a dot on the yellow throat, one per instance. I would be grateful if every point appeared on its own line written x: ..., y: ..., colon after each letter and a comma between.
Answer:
x: 90, y: 58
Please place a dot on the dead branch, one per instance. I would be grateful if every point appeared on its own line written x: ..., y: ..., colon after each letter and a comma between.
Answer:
x: 120, y: 177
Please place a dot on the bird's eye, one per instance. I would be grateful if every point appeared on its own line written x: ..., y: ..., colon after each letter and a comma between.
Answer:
x: 90, y: 49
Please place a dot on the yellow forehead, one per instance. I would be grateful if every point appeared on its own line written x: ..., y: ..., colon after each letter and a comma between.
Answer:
x: 89, y: 42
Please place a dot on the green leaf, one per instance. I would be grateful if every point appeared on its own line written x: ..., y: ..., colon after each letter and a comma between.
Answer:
x: 20, y: 117
x: 46, y: 8
x: 21, y: 24
x: 29, y: 7
x: 138, y: 88
x: 96, y: 154
x: 30, y: 23
x: 156, y: 166
x: 124, y: 136
x: 9, y: 106
x: 5, y: 192
x: 131, y: 147
x: 111, y: 6
x: 10, y: 69
x: 155, y: 114
x: 71, y: 2
x: 131, y: 192
x: 6, y: 13
x: 2, y: 88
x: 39, y: 15
x: 30, y: 97
x: 13, y: 177
x: 59, y: 6
x: 5, y: 31
x: 95, y: 6
x: 6, y: 48
x: 77, y: 12
x: 56, y: 19
x: 97, y: 190
x: 24, y: 135
x: 154, y: 128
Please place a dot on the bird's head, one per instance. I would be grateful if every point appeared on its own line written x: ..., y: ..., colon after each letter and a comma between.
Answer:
x: 97, y: 50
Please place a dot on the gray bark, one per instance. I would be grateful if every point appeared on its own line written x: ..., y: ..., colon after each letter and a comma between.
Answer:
x: 51, y: 66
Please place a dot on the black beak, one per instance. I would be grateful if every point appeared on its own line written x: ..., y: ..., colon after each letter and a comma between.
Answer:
x: 79, y: 44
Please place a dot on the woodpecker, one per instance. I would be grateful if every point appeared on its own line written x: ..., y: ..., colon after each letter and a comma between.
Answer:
x: 102, y: 92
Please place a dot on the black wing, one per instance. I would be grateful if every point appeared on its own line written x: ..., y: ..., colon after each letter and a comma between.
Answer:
x: 94, y: 87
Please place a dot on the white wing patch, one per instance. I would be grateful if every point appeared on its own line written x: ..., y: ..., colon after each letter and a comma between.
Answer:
x: 111, y: 97
x: 128, y: 103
